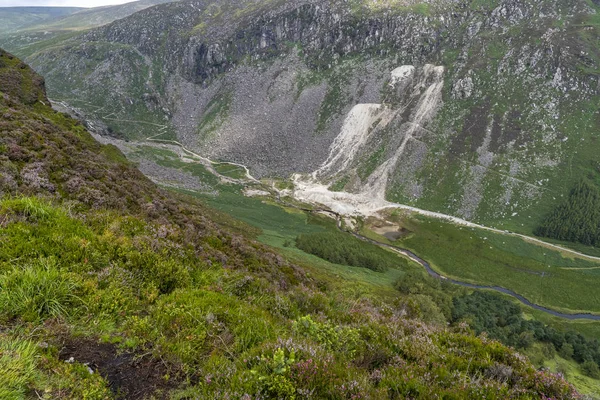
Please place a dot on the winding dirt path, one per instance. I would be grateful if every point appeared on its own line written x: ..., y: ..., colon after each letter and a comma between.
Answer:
x: 174, y: 142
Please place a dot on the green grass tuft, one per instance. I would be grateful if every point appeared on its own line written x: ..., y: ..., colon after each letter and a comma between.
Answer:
x: 17, y: 367
x: 38, y: 291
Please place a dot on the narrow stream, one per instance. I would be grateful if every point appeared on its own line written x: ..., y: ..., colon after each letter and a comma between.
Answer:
x: 436, y: 275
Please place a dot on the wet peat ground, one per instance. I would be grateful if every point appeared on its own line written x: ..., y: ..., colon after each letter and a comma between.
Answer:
x: 130, y: 376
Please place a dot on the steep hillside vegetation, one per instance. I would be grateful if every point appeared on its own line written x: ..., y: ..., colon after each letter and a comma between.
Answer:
x: 111, y: 288
x: 460, y: 107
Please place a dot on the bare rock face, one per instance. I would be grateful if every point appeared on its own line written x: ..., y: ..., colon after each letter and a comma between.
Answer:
x: 487, y: 112
x: 463, y: 88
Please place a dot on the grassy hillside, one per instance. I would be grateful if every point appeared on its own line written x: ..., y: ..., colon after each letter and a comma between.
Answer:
x: 16, y: 18
x: 452, y: 246
x: 542, y: 275
x: 25, y: 30
x: 20, y: 20
x: 92, y: 17
x: 112, y: 288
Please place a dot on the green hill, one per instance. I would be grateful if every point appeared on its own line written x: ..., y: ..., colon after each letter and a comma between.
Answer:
x: 17, y: 18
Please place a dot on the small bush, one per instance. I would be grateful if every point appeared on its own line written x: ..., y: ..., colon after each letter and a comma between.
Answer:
x: 566, y: 351
x: 590, y: 369
x: 337, y: 338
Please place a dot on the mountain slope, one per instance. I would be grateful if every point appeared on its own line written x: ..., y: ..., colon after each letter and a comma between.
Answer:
x: 471, y: 110
x: 49, y: 19
x: 112, y: 288
x: 27, y: 28
x: 16, y: 18
x: 98, y: 16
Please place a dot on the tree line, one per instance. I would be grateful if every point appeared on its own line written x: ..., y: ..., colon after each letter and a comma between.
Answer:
x: 502, y: 320
x: 577, y: 219
x: 341, y: 248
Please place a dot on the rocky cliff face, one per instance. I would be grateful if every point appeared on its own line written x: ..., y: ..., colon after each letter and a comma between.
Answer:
x: 481, y: 109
